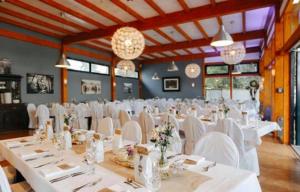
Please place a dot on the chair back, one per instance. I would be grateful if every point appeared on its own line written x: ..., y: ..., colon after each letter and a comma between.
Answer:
x: 193, y: 130
x: 31, y: 109
x: 4, y: 185
x: 218, y: 147
x: 236, y: 134
x: 43, y: 115
x: 132, y: 131
x: 172, y: 119
x: 123, y: 117
x: 147, y: 124
x: 105, y: 126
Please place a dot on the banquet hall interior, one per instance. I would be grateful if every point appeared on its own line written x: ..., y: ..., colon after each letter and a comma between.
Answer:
x: 149, y: 95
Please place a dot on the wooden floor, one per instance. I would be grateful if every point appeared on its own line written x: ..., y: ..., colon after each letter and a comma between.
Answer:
x: 279, y: 165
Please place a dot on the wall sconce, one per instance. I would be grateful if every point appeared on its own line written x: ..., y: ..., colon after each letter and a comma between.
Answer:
x: 193, y: 84
x: 273, y: 72
x: 65, y: 81
x: 114, y: 84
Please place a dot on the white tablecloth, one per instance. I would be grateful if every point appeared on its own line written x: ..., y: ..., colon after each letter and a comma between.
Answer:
x: 223, y: 178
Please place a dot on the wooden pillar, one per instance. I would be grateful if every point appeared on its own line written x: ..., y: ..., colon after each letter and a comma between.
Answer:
x: 140, y: 84
x: 63, y: 80
x: 113, y: 83
x: 203, y: 79
x: 230, y: 80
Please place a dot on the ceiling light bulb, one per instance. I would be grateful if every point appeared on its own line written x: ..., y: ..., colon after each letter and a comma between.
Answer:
x: 296, y: 1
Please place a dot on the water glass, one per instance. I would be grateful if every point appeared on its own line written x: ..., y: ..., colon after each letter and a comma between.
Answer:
x: 58, y: 141
x: 153, y: 182
x: 90, y: 155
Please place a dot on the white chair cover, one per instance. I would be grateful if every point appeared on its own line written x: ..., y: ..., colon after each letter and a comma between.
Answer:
x: 80, y: 122
x: 59, y: 112
x: 4, y: 185
x: 124, y: 117
x: 132, y: 131
x: 96, y: 113
x: 193, y: 130
x: 105, y: 126
x: 171, y: 118
x: 218, y: 147
x: 31, y: 109
x: 175, y: 142
x: 147, y: 124
x: 42, y: 113
x: 235, y: 113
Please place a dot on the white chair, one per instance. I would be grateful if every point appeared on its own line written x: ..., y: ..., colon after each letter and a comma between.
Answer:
x: 10, y: 173
x: 43, y: 115
x: 235, y: 113
x: 105, y: 126
x: 248, y: 155
x: 17, y: 187
x: 59, y: 112
x: 147, y: 124
x: 96, y: 113
x: 193, y: 130
x: 31, y: 109
x: 132, y: 131
x: 80, y: 122
x: 176, y: 142
x: 123, y: 117
x: 171, y: 118
x: 218, y: 147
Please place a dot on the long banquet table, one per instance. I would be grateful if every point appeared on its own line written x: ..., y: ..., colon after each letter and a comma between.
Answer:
x: 221, y: 177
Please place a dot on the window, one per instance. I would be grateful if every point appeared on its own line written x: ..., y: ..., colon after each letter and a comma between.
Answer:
x: 217, y: 88
x: 246, y: 68
x: 217, y: 69
x: 240, y: 85
x: 77, y: 65
x: 101, y: 69
x: 130, y: 74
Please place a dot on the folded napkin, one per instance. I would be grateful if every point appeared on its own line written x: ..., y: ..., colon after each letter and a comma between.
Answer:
x: 12, y: 144
x: 25, y: 154
x: 54, y: 170
x: 114, y: 188
x: 193, y: 160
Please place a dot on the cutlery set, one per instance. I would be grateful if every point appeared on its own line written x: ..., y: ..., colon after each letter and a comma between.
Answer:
x: 90, y: 184
x: 68, y: 176
x: 133, y: 183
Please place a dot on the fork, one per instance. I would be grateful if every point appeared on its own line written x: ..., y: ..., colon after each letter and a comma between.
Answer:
x: 90, y: 184
x: 67, y: 176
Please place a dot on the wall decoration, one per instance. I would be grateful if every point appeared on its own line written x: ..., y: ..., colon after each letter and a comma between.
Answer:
x: 171, y: 84
x: 127, y: 87
x: 39, y: 83
x: 5, y: 66
x: 90, y: 86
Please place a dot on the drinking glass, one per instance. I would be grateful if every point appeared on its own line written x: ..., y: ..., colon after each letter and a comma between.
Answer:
x: 90, y: 155
x: 59, y: 143
x: 153, y: 182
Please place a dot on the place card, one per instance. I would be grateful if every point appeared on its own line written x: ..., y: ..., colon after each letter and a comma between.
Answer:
x: 106, y: 190
x: 39, y: 151
x: 65, y: 166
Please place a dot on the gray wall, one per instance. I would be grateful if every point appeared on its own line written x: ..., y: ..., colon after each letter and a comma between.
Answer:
x: 31, y: 58
x: 153, y: 88
x: 120, y: 85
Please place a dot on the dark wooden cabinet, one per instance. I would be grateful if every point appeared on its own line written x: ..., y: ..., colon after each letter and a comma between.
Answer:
x: 13, y: 117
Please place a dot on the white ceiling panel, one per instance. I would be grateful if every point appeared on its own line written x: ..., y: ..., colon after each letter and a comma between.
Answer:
x: 114, y: 10
x: 147, y: 56
x: 149, y: 43
x: 256, y: 19
x: 158, y: 55
x: 213, y: 59
x: 181, y: 52
x: 207, y: 49
x: 194, y: 50
x: 233, y: 23
x: 197, y: 3
x: 103, y: 47
x: 191, y: 30
x: 141, y: 7
x: 211, y: 26
x: 156, y: 36
x: 252, y: 56
x: 168, y: 6
x: 253, y: 43
x: 169, y: 53
x: 173, y: 33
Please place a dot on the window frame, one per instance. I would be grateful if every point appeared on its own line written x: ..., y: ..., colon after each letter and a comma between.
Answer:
x: 94, y: 63
x: 247, y: 73
x: 120, y: 76
x: 90, y: 67
x: 80, y: 61
x: 217, y: 74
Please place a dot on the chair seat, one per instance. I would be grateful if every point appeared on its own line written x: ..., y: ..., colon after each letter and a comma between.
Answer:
x: 21, y: 187
x: 10, y: 173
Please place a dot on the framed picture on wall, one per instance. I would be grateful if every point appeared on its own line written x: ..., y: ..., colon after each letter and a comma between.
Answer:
x: 171, y: 83
x: 39, y: 83
x: 90, y: 87
x: 127, y: 87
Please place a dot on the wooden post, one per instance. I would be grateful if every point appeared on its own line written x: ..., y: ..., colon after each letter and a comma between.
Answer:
x: 63, y: 80
x: 113, y: 78
x: 140, y: 66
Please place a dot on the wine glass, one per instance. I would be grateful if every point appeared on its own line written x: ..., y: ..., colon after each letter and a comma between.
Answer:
x: 153, y: 182
x: 90, y: 155
x: 59, y: 143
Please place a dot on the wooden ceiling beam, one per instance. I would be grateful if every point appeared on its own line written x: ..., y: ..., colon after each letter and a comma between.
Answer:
x: 203, y: 42
x: 193, y: 56
x: 201, y: 29
x: 70, y: 11
x: 194, y: 14
x: 100, y: 11
x: 184, y: 5
x: 26, y: 6
x: 182, y: 32
x: 34, y: 20
x: 154, y: 6
x: 164, y: 35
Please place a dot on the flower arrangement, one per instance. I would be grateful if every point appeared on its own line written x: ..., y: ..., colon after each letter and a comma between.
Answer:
x: 130, y: 152
x: 69, y: 118
x: 161, y: 138
x: 226, y: 109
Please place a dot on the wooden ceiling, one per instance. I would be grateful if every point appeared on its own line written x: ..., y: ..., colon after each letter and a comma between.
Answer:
x: 173, y: 29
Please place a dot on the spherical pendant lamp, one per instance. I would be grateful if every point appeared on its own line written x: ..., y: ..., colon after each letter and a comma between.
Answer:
x: 233, y: 54
x: 128, y: 43
x: 126, y: 65
x: 192, y: 70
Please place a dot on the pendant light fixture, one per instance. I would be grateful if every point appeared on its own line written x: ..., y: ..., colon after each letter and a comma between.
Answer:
x: 222, y: 38
x: 172, y: 67
x: 233, y: 54
x: 63, y: 62
x: 192, y: 70
x: 155, y: 76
